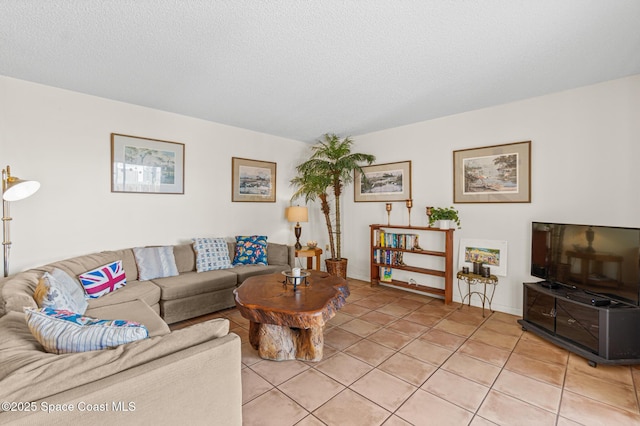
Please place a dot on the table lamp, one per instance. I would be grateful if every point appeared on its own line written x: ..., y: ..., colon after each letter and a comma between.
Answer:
x: 297, y: 214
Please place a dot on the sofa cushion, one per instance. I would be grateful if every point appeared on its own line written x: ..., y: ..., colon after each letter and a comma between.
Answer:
x: 78, y: 265
x: 134, y: 310
x: 2, y: 308
x: 17, y: 290
x: 58, y: 290
x: 146, y: 291
x: 185, y: 257
x: 103, y: 279
x: 250, y: 250
x: 29, y: 374
x: 193, y: 283
x: 277, y: 254
x: 155, y: 262
x: 246, y: 271
x: 211, y: 254
x: 63, y: 332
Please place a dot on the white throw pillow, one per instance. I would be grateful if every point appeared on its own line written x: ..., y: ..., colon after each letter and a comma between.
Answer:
x: 58, y: 290
x: 155, y: 262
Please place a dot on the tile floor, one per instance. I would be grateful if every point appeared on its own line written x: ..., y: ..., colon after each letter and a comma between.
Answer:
x: 393, y: 357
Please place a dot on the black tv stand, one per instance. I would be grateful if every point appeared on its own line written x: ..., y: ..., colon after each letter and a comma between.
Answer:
x: 598, y: 328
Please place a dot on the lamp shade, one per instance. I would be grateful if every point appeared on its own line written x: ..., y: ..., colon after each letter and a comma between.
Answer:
x: 18, y: 189
x: 297, y: 214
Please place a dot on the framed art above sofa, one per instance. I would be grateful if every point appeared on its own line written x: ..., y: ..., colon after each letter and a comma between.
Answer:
x: 253, y: 180
x: 146, y: 165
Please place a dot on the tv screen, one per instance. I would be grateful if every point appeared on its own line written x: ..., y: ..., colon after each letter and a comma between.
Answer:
x: 604, y: 260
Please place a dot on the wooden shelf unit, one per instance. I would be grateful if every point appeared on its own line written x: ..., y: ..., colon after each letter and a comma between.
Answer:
x: 447, y: 254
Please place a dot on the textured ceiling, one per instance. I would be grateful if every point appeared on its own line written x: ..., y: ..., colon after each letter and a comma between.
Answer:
x: 299, y: 69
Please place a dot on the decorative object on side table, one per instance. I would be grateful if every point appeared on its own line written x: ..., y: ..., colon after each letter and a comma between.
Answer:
x: 331, y: 165
x: 13, y: 189
x: 473, y: 279
x: 297, y: 214
x: 490, y: 253
x: 445, y: 215
x: 388, y: 207
x: 312, y: 244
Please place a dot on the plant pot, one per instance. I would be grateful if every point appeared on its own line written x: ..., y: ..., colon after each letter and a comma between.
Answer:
x: 445, y: 224
x: 337, y: 267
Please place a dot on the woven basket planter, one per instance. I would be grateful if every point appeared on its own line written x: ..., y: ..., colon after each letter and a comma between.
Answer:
x: 337, y: 267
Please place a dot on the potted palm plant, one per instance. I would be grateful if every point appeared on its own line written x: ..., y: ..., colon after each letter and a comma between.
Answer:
x: 445, y: 215
x: 325, y: 173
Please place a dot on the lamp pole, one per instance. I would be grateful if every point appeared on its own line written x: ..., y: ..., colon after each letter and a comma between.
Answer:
x: 13, y: 189
x: 6, y: 238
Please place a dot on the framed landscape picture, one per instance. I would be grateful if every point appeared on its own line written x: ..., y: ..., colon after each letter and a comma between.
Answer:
x: 253, y: 180
x: 146, y: 165
x: 493, y: 174
x: 383, y: 182
x: 492, y: 253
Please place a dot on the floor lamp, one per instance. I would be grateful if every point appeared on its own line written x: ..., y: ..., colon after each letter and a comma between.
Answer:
x: 13, y: 189
x: 297, y: 214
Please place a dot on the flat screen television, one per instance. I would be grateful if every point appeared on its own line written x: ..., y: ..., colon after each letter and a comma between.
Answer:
x: 603, y: 260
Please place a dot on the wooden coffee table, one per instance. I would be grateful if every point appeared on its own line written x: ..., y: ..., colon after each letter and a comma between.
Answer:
x: 285, y: 324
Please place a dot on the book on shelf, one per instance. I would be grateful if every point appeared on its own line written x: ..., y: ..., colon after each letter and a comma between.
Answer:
x: 385, y: 274
x: 394, y: 240
x: 388, y: 257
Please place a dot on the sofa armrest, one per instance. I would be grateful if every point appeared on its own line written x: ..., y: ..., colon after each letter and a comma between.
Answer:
x: 198, y: 385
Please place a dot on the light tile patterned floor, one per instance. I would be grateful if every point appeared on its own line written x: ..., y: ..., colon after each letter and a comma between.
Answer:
x: 396, y: 358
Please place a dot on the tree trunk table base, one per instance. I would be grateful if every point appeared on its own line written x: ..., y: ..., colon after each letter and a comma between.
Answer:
x: 285, y: 324
x: 281, y: 343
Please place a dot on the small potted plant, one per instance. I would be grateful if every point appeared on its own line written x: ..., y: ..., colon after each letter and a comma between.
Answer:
x: 445, y: 215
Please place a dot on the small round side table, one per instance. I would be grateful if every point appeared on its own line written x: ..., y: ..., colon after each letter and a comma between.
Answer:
x: 473, y: 279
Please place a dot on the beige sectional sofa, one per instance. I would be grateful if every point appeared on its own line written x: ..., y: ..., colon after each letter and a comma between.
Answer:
x: 189, y: 375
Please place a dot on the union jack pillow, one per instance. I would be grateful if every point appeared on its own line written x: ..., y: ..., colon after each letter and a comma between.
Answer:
x: 103, y: 280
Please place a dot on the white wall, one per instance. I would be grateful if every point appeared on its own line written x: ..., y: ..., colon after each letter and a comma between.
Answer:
x: 62, y: 139
x: 585, y: 151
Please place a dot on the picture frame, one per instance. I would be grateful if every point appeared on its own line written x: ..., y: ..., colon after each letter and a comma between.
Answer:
x: 253, y: 180
x: 492, y: 253
x: 383, y: 182
x: 493, y: 174
x: 147, y: 166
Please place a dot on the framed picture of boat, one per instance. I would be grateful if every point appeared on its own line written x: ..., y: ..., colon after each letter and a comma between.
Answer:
x: 493, y: 174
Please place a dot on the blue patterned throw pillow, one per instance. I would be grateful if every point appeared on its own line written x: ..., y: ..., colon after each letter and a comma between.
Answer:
x: 251, y: 250
x: 62, y: 332
x: 211, y: 254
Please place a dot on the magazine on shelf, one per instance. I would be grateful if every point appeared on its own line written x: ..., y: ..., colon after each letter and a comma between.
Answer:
x: 385, y: 274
